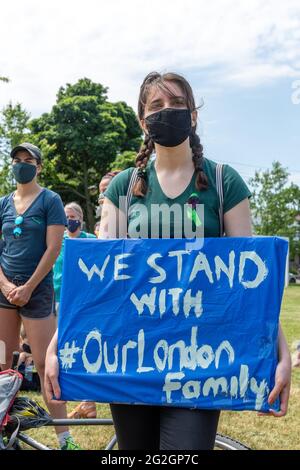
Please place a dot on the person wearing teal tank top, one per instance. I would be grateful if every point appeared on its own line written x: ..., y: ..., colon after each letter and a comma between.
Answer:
x: 74, y: 215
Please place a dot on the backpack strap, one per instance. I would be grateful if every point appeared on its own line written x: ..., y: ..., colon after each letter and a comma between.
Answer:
x: 132, y: 181
x: 14, y: 435
x: 219, y: 185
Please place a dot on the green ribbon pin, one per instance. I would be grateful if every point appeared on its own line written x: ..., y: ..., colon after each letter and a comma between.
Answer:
x: 191, y: 211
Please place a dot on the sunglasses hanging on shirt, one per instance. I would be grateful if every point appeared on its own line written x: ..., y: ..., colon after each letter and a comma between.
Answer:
x: 17, y: 232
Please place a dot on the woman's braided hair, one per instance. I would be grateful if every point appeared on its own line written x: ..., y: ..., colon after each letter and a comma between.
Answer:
x: 147, y: 147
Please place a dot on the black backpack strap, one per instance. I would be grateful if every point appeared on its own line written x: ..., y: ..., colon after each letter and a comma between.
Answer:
x: 219, y: 185
x: 132, y: 181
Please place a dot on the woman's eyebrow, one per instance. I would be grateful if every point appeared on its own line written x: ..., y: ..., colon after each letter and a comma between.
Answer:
x: 26, y: 158
x: 175, y: 98
x: 172, y: 98
x: 157, y: 101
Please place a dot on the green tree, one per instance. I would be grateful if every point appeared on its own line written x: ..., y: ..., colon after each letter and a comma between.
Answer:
x: 275, y: 204
x: 80, y: 138
x: 123, y: 161
x: 13, y: 130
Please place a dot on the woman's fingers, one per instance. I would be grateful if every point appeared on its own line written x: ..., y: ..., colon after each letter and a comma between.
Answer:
x: 284, y: 400
x: 282, y: 391
x: 48, y: 389
x: 275, y: 392
x: 52, y: 389
x: 12, y: 297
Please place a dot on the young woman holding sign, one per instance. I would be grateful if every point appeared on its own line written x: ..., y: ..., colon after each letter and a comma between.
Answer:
x: 178, y: 175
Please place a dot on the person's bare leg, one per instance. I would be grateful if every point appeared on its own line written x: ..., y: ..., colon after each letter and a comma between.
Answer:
x: 85, y: 409
x: 39, y: 333
x: 10, y: 323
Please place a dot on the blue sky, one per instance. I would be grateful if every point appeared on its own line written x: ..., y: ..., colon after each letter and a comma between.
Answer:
x: 241, y: 58
x: 253, y: 127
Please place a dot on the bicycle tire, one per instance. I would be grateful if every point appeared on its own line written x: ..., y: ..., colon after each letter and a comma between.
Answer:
x: 221, y: 443
x: 227, y: 443
x: 32, y: 442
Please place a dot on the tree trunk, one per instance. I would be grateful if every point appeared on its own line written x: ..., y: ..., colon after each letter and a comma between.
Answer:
x: 90, y: 219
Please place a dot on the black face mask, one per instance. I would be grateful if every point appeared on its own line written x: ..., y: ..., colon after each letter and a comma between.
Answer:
x: 24, y: 172
x: 169, y: 127
x: 73, y: 225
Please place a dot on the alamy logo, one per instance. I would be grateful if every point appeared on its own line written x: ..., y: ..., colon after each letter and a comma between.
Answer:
x: 161, y: 221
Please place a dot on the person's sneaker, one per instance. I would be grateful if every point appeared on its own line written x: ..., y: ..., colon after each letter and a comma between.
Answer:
x: 296, y: 353
x: 70, y: 444
x: 84, y: 410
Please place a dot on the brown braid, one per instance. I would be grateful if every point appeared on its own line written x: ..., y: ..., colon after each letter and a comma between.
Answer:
x: 198, y: 159
x: 161, y: 81
x: 140, y: 187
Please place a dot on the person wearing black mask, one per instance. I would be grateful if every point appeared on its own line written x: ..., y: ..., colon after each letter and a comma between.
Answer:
x: 32, y: 221
x: 179, y: 175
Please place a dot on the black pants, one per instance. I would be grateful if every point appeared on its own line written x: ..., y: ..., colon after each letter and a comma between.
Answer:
x: 141, y: 427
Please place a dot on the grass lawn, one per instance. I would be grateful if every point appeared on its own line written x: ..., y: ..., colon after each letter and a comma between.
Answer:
x: 256, y: 432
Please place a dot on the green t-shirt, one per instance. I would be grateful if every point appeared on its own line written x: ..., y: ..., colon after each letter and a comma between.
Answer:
x: 234, y: 188
x: 58, y: 266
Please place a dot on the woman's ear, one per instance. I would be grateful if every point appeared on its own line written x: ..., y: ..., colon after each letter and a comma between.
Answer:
x: 143, y: 126
x: 39, y: 169
x: 194, y: 118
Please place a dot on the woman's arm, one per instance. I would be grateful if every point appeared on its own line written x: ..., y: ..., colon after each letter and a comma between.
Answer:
x: 5, y: 285
x: 282, y: 377
x: 113, y: 222
x: 51, y: 384
x: 21, y: 295
x: 237, y: 222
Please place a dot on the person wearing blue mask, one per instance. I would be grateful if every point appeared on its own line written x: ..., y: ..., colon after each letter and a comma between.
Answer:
x: 74, y: 216
x: 32, y: 222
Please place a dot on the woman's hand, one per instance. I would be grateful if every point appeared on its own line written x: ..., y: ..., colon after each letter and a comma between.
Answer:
x: 26, y: 358
x: 51, y: 384
x: 6, y: 288
x: 20, y: 296
x: 281, y: 388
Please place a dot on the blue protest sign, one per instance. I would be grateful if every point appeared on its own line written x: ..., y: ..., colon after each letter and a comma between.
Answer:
x: 152, y: 322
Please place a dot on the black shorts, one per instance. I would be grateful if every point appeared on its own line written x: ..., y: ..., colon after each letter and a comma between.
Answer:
x: 41, y: 303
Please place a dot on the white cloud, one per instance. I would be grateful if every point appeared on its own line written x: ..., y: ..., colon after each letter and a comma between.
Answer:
x: 46, y: 44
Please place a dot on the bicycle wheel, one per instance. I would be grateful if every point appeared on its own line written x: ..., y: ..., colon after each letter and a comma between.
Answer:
x: 226, y: 443
x: 31, y: 443
x: 112, y: 444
